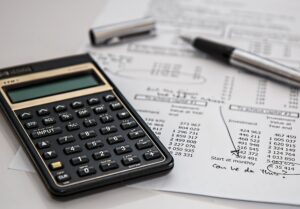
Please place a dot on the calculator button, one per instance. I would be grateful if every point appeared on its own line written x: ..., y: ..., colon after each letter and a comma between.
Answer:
x: 93, y: 101
x: 123, y: 115
x: 72, y: 149
x: 31, y: 124
x: 66, y: 117
x: 45, y: 132
x: 25, y: 115
x: 87, y: 134
x: 48, y: 121
x: 123, y: 149
x: 43, y: 112
x: 143, y: 144
x: 83, y: 113
x: 79, y: 160
x: 63, y: 177
x: 136, y: 134
x: 128, y: 125
x: 60, y: 108
x: 66, y: 139
x: 94, y: 144
x: 152, y: 154
x: 73, y: 126
x: 109, y: 97
x: 76, y: 104
x: 106, y: 118
x: 89, y: 122
x: 56, y: 165
x: 100, y: 109
x: 101, y: 154
x: 49, y: 155
x: 86, y: 171
x: 116, y: 106
x: 130, y: 160
x: 115, y: 139
x: 108, y: 129
x: 43, y: 144
x: 108, y: 165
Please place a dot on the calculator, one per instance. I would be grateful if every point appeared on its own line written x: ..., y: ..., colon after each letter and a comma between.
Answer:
x: 78, y: 129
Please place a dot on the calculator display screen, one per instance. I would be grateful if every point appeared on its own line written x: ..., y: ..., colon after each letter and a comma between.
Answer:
x: 52, y: 87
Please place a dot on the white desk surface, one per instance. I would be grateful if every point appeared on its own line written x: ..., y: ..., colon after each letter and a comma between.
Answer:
x: 35, y: 30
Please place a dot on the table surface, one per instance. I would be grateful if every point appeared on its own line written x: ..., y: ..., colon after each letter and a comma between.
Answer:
x: 36, y: 30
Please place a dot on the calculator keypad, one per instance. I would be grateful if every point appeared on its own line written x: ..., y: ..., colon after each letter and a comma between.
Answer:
x: 88, y: 137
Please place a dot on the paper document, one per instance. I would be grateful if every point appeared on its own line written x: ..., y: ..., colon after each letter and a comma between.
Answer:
x: 232, y: 134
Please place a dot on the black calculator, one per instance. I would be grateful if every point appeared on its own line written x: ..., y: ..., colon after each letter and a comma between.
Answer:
x: 76, y: 126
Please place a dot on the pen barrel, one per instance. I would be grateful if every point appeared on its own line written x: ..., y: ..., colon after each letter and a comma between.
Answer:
x: 265, y: 67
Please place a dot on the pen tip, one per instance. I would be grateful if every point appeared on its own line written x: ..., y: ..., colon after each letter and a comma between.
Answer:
x: 187, y: 39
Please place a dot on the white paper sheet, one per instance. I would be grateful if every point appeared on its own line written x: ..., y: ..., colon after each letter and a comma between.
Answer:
x: 232, y: 134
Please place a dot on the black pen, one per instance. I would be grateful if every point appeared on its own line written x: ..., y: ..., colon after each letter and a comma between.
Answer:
x: 246, y: 60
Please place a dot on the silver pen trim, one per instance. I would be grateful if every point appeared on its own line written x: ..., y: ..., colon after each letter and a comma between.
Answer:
x: 265, y: 67
x: 111, y: 34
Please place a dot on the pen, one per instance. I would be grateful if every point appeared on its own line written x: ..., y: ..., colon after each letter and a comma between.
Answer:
x: 246, y: 60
